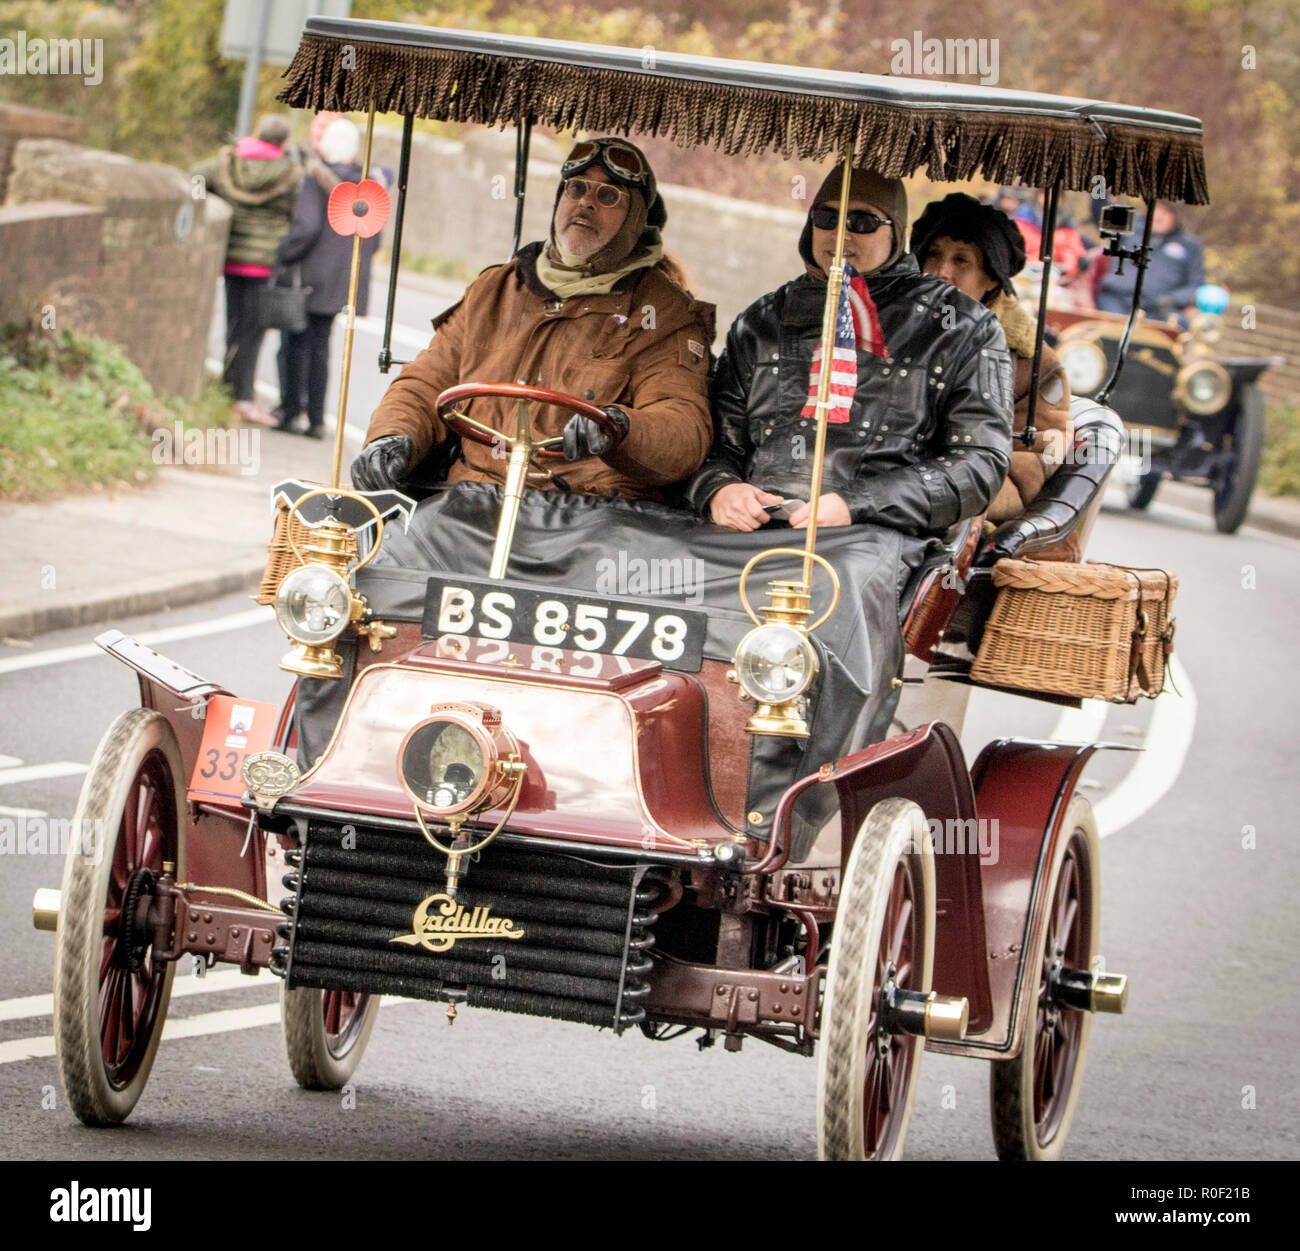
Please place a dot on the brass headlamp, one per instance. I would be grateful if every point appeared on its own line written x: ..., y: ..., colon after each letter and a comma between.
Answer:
x: 315, y: 603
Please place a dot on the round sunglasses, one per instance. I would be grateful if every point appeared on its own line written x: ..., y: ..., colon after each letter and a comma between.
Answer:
x: 605, y: 193
x: 857, y: 222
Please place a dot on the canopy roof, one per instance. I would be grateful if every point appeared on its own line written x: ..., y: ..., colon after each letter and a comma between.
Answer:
x: 896, y: 125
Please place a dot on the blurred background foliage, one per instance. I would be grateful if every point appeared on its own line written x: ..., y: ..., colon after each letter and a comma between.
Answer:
x: 168, y: 96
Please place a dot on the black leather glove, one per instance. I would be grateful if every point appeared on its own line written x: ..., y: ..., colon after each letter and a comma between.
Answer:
x: 382, y: 464
x: 583, y: 437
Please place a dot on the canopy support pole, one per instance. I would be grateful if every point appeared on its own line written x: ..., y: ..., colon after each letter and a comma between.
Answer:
x: 403, y: 172
x: 1046, y: 245
x: 523, y: 138
x: 1140, y: 260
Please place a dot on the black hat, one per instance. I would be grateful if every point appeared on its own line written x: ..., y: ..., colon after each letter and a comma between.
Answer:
x: 963, y: 218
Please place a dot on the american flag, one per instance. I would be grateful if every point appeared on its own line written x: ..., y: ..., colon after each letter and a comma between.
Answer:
x: 856, y: 324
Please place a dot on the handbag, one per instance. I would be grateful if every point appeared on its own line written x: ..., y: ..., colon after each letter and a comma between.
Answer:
x: 283, y: 308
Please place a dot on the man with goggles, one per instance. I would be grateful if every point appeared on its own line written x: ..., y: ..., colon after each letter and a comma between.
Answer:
x: 597, y: 311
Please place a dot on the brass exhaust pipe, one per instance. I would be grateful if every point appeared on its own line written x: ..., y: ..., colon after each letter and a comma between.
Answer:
x: 45, y: 908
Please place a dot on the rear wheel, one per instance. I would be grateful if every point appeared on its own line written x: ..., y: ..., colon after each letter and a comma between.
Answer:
x: 1034, y: 1095
x: 110, y: 995
x: 883, y: 939
x: 1232, y: 493
x: 325, y: 1034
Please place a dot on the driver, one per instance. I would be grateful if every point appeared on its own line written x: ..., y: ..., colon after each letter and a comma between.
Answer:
x: 595, y: 312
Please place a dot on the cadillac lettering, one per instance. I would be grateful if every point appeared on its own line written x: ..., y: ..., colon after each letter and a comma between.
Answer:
x: 439, y: 930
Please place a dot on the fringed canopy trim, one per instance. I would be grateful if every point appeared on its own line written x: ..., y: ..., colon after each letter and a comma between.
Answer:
x: 896, y: 125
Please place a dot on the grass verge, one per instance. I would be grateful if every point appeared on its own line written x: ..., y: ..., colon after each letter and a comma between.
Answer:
x: 1279, y: 470
x: 76, y: 414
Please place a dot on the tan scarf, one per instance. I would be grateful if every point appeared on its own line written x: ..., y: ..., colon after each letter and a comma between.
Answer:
x: 567, y: 275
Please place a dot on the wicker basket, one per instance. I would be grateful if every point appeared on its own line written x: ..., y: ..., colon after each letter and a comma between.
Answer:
x: 1090, y: 630
x: 280, y: 560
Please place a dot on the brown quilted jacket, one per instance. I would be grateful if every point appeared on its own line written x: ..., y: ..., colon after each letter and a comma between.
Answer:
x: 644, y: 347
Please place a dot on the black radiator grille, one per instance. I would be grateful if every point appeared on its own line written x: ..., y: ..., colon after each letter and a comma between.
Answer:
x: 587, y: 927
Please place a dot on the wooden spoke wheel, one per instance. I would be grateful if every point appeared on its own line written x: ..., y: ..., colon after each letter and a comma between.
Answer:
x: 883, y: 940
x: 1034, y: 1095
x: 110, y: 995
x: 325, y: 1034
x: 1235, y: 485
x: 1142, y: 490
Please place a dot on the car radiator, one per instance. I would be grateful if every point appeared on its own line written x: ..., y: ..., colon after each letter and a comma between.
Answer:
x: 583, y: 954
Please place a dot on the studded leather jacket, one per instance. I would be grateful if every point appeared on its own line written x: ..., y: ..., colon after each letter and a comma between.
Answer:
x: 928, y: 439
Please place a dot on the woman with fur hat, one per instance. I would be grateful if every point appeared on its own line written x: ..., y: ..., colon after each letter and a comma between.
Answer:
x: 978, y: 249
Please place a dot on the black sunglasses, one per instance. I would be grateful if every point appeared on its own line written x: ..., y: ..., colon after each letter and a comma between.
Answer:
x: 858, y: 221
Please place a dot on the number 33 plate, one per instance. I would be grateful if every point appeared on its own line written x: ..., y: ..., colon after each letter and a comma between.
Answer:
x: 585, y: 623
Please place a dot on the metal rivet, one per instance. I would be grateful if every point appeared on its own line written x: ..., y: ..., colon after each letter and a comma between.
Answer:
x: 753, y: 994
x: 755, y: 818
x: 722, y: 990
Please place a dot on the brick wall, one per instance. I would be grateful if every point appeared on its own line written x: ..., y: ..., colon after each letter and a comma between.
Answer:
x: 159, y: 254
x: 18, y: 123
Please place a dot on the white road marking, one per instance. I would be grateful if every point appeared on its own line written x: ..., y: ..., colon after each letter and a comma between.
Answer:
x: 81, y: 651
x: 225, y: 1022
x: 1156, y: 769
x: 401, y: 334
x: 8, y: 762
x: 27, y: 814
x: 182, y: 987
x: 1080, y: 725
x: 36, y: 773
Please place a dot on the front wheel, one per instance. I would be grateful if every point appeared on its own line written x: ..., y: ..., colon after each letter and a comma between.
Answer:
x: 110, y: 994
x: 1035, y: 1094
x: 883, y: 940
x: 1233, y: 491
x: 325, y: 1034
x: 1142, y: 490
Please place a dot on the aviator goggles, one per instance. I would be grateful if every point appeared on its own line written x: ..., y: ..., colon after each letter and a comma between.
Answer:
x: 857, y: 222
x: 606, y: 194
x: 619, y: 159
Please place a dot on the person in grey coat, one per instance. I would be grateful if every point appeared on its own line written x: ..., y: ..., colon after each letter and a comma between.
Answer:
x: 323, y: 259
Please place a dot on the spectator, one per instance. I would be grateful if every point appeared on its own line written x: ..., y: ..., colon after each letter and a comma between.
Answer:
x: 325, y: 259
x: 260, y: 183
x: 1176, y: 269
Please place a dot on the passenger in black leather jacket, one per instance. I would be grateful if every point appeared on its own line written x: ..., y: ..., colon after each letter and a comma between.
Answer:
x: 928, y: 439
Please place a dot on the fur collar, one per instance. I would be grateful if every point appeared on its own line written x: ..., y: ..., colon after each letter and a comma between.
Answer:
x: 1016, y: 324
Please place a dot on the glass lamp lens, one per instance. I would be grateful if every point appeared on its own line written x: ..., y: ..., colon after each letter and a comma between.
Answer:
x: 313, y: 605
x: 443, y: 764
x: 775, y: 663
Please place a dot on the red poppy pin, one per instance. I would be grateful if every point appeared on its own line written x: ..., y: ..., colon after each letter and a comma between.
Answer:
x: 358, y: 208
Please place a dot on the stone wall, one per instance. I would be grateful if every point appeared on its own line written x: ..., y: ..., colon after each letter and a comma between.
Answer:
x: 18, y: 123
x: 151, y: 283
x: 461, y: 208
x: 1276, y: 332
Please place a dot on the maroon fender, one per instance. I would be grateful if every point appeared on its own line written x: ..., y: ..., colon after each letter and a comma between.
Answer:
x: 215, y: 836
x: 1025, y: 787
x: 926, y: 766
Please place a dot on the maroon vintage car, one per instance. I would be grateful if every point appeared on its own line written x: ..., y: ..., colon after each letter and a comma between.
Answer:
x: 498, y: 791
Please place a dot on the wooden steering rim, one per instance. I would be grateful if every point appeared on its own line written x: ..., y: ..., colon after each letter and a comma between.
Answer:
x: 476, y: 432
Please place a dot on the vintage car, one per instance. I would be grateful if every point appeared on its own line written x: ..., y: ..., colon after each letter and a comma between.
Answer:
x: 492, y: 787
x: 1193, y: 414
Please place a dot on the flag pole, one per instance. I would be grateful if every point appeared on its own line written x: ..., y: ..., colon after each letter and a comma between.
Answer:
x: 830, y: 316
x: 350, y: 317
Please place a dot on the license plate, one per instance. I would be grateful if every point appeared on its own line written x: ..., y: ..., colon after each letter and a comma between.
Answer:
x: 585, y: 623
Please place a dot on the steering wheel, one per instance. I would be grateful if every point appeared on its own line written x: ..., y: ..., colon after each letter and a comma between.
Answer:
x: 477, y: 432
